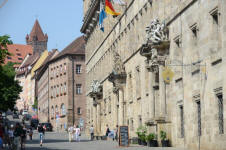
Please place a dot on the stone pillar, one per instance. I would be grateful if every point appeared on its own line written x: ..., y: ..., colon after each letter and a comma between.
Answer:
x: 121, y: 107
x: 116, y: 107
x: 95, y: 119
x: 162, y: 93
x: 151, y: 101
x: 98, y: 119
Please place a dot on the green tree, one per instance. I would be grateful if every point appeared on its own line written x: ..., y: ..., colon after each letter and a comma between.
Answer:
x: 4, y: 41
x: 35, y: 105
x: 9, y: 87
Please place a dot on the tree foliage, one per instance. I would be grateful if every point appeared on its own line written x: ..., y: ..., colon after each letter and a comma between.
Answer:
x: 35, y: 105
x: 4, y: 41
x: 9, y: 87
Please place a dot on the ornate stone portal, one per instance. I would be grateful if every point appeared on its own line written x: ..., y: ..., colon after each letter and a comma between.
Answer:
x: 156, y: 50
x: 118, y: 78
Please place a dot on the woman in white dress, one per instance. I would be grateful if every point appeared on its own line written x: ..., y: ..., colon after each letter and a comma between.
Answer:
x: 77, y: 133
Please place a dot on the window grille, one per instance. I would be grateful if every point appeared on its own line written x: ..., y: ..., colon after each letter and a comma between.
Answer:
x: 221, y: 114
x: 78, y: 69
x: 182, y: 121
x: 78, y: 89
x: 199, y: 118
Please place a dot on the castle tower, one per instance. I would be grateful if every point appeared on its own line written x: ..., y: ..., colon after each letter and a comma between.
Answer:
x: 37, y: 39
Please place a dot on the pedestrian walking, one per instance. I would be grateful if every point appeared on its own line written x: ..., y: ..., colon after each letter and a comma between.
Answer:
x: 91, y: 130
x: 23, y: 137
x: 116, y: 133
x: 70, y: 133
x: 17, y: 136
x: 41, y: 132
x: 107, y: 131
x: 77, y: 133
x: 11, y: 137
x: 30, y: 132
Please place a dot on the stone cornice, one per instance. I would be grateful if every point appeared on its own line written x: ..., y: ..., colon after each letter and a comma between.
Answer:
x: 90, y: 13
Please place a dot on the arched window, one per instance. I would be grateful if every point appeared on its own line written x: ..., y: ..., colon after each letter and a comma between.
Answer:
x: 52, y: 111
x: 63, y: 110
x: 56, y: 109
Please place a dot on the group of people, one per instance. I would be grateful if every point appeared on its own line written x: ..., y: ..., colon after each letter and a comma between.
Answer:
x: 109, y: 133
x: 74, y: 133
x: 14, y: 137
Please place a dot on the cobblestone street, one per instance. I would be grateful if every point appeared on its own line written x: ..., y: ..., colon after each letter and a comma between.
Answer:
x: 59, y: 141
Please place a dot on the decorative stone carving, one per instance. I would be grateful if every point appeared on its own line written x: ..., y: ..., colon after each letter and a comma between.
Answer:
x: 156, y: 46
x: 96, y: 90
x: 118, y: 75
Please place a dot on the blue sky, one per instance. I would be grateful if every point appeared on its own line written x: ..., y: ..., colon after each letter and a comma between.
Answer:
x: 60, y: 19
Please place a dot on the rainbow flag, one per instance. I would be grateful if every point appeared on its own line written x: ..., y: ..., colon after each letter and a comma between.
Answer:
x: 109, y: 9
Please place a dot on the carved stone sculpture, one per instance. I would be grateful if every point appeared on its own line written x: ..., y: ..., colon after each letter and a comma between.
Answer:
x: 118, y: 67
x: 156, y: 45
x: 96, y: 86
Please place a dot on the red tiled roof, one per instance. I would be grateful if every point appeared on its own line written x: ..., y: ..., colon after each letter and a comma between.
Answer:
x: 76, y: 47
x: 37, y: 32
x: 18, y: 52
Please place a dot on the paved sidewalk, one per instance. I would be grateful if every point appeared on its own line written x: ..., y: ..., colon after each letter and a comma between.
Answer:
x: 59, y: 141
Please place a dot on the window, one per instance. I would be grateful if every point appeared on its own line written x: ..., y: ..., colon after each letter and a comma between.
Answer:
x: 138, y: 83
x: 220, y: 113
x: 78, y: 69
x: 9, y: 57
x: 177, y: 41
x: 79, y: 111
x: 214, y: 13
x: 18, y: 54
x: 182, y: 121
x: 52, y: 111
x: 199, y: 118
x: 65, y: 88
x: 20, y: 58
x: 194, y: 30
x: 63, y: 110
x: 78, y: 89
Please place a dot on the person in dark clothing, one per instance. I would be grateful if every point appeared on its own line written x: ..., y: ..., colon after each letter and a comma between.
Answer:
x: 30, y: 133
x: 18, y: 132
x: 41, y: 133
x: 107, y: 131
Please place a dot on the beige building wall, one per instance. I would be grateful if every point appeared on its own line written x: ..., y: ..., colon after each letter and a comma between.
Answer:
x: 197, y: 60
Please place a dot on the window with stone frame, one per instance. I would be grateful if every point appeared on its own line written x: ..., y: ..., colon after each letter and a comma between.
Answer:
x: 63, y: 110
x: 61, y: 69
x: 139, y: 120
x: 79, y: 111
x: 61, y: 89
x: 181, y: 121
x: 78, y: 69
x: 138, y: 83
x: 130, y: 87
x: 56, y: 109
x: 105, y: 105
x: 220, y: 113
x: 78, y: 89
x: 58, y: 90
x: 199, y: 121
x: 109, y: 104
x: 65, y: 88
x: 131, y: 124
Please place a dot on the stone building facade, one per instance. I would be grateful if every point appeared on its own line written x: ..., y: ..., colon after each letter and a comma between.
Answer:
x: 67, y: 101
x: 42, y: 88
x: 160, y: 64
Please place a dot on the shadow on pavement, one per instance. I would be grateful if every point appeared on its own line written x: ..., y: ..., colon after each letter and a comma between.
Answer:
x: 53, y: 141
x: 43, y: 148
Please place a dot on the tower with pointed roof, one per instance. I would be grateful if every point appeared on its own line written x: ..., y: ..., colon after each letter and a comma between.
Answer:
x: 37, y: 39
